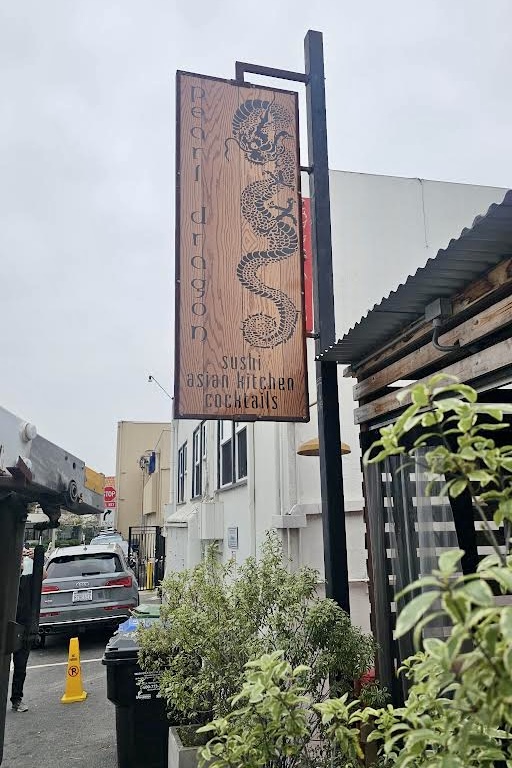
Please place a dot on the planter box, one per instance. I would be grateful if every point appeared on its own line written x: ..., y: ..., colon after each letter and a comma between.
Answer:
x: 181, y: 756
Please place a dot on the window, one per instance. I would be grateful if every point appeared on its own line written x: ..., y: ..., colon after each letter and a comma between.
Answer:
x: 225, y: 453
x: 182, y: 472
x: 75, y: 566
x: 232, y: 445
x: 198, y: 448
x: 203, y: 440
x: 241, y: 451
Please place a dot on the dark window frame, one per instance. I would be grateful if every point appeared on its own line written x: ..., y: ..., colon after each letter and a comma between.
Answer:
x: 182, y: 474
x: 231, y: 454
x: 198, y: 460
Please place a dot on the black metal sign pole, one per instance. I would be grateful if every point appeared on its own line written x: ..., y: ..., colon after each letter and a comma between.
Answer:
x: 329, y: 436
x: 333, y: 506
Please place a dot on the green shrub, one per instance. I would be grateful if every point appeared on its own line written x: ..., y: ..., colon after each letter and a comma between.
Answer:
x: 216, y: 618
x: 67, y: 543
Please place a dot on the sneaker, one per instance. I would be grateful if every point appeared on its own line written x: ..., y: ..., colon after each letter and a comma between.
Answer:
x: 19, y: 707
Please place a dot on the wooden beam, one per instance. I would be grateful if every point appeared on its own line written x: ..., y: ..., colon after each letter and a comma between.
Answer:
x: 472, y: 367
x: 497, y: 281
x: 492, y: 319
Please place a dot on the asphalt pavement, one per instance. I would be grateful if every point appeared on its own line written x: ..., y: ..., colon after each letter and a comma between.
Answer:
x: 57, y: 735
x: 61, y: 735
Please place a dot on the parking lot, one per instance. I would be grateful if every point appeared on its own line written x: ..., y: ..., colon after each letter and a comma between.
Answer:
x: 61, y: 735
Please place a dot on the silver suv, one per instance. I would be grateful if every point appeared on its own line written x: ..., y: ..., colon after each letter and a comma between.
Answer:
x: 107, y: 537
x: 87, y: 586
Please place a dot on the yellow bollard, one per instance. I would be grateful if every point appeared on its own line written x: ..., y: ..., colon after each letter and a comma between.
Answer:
x: 149, y: 575
x: 74, y: 688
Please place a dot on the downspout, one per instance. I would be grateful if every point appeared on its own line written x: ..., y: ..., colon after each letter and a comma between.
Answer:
x: 251, y: 486
x: 292, y: 465
x: 172, y: 483
x: 277, y: 453
x: 294, y: 535
x: 174, y: 450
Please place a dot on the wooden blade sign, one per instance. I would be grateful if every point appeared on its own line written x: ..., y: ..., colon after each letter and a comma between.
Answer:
x: 240, y: 333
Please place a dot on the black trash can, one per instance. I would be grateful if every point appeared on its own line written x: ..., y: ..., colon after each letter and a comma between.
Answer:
x: 142, y: 725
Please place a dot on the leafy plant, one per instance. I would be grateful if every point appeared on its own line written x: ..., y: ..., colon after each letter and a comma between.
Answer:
x: 272, y: 718
x: 215, y: 619
x: 458, y: 713
x: 276, y: 723
x: 457, y: 426
x: 373, y: 695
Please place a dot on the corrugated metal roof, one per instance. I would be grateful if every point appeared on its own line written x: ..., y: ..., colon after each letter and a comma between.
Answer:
x: 477, y: 249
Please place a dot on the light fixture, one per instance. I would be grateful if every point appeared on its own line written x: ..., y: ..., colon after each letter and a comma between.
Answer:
x: 312, y: 448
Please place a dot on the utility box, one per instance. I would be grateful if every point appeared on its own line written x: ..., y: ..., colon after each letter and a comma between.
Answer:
x: 183, y: 545
x: 211, y: 521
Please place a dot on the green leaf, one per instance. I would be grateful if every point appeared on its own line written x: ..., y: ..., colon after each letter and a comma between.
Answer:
x: 420, y: 395
x: 420, y: 626
x: 448, y: 404
x: 425, y: 581
x: 431, y: 418
x: 437, y: 378
x: 507, y: 660
x: 502, y: 575
x: 506, y: 622
x: 468, y: 453
x: 480, y: 476
x: 448, y: 561
x: 301, y: 669
x: 492, y: 411
x: 412, y: 422
x: 507, y: 464
x: 394, y: 429
x: 505, y: 508
x: 477, y: 592
x: 413, y: 612
x: 451, y: 761
x: 423, y: 735
x: 457, y: 487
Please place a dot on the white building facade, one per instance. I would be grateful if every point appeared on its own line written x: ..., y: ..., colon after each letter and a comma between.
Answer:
x: 233, y: 482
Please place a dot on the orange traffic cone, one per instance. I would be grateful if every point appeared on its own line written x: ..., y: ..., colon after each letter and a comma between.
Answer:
x: 74, y: 688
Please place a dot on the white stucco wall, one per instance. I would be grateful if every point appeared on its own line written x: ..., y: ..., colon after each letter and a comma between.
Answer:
x: 383, y: 229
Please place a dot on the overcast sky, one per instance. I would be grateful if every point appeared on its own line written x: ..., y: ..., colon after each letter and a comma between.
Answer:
x: 414, y: 88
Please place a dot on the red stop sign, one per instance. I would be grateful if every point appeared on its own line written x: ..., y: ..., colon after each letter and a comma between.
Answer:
x: 109, y: 497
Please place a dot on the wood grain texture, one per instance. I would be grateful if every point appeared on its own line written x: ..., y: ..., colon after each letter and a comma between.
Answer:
x: 495, y: 318
x: 219, y: 374
x: 467, y: 370
x: 489, y: 288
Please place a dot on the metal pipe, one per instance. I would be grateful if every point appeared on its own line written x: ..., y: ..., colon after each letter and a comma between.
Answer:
x: 435, y: 339
x: 241, y: 67
x: 252, y: 486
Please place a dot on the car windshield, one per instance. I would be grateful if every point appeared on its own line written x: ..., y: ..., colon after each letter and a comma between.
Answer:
x: 83, y: 565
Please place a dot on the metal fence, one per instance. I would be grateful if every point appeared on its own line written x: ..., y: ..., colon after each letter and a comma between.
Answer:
x: 147, y: 555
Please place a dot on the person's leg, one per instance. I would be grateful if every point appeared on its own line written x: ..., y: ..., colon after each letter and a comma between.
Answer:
x: 20, y: 659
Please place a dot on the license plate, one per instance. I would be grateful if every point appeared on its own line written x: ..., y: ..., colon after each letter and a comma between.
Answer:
x: 82, y: 595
